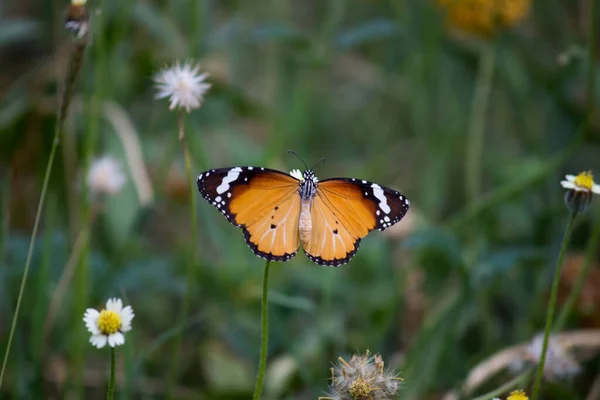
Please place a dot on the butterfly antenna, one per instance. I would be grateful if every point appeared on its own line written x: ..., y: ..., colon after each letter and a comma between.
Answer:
x: 299, y: 158
x: 317, y: 163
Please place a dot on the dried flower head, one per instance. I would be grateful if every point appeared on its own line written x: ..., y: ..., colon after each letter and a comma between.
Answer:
x: 559, y: 363
x: 183, y: 85
x: 363, y: 378
x: 77, y: 18
x: 108, y: 325
x: 105, y: 177
x: 579, y: 190
x: 483, y: 17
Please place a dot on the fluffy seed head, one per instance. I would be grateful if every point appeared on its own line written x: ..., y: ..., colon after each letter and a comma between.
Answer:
x: 105, y: 177
x: 363, y: 378
x: 183, y: 85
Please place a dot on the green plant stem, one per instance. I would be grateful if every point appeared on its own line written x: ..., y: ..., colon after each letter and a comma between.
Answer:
x: 192, y: 252
x: 5, y: 186
x: 483, y: 87
x: 552, y: 306
x: 512, y: 384
x: 595, y: 235
x: 110, y: 395
x: 590, y: 251
x: 591, y: 63
x: 65, y: 100
x: 81, y: 281
x: 264, y: 334
x: 29, y: 254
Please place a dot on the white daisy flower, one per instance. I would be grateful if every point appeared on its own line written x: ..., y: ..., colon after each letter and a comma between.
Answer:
x: 108, y: 325
x: 183, y: 85
x: 584, y: 182
x: 579, y: 190
x: 105, y: 176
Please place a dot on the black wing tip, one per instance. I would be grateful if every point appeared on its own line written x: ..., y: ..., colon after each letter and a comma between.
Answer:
x: 267, y: 256
x: 336, y: 262
x: 382, y: 224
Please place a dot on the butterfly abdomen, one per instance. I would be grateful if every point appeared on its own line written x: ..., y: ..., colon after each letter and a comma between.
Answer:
x: 305, y: 223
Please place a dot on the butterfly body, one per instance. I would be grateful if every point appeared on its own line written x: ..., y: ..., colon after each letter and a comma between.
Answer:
x: 278, y: 212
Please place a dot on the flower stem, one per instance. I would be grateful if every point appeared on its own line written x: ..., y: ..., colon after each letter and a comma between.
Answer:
x: 264, y: 333
x: 552, y: 306
x: 591, y: 63
x: 595, y: 235
x: 191, y: 262
x: 512, y: 384
x: 67, y: 94
x: 483, y: 87
x: 592, y: 246
x: 110, y: 395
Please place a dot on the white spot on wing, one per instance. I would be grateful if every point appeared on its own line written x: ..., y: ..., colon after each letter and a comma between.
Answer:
x: 218, y: 199
x: 380, y: 195
x: 231, y: 176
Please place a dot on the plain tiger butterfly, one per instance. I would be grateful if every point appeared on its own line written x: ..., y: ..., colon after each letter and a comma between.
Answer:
x: 279, y: 211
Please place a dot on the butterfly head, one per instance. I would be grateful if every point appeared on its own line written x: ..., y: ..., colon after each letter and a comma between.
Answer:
x: 308, y: 183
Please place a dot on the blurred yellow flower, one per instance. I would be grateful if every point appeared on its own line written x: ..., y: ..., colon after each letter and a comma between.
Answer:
x: 517, y: 395
x: 483, y: 17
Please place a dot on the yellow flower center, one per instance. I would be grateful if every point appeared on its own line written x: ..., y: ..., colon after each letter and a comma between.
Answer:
x: 109, y: 322
x: 360, y: 388
x: 517, y: 395
x: 585, y: 180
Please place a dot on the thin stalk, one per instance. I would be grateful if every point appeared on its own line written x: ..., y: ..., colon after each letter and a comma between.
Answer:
x: 192, y: 252
x: 196, y: 8
x: 5, y: 183
x: 595, y: 235
x: 110, y: 394
x: 474, y: 142
x: 41, y: 277
x: 65, y: 100
x: 264, y: 333
x: 483, y: 87
x: 552, y: 305
x: 514, y: 383
x: 591, y: 63
x: 81, y: 287
x: 64, y: 282
x: 590, y: 252
x: 29, y: 254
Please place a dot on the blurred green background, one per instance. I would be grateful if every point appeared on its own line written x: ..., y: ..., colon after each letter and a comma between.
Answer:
x: 474, y: 117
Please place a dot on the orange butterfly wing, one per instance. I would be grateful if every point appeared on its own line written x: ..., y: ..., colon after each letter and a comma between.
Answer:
x: 265, y: 203
x: 345, y: 210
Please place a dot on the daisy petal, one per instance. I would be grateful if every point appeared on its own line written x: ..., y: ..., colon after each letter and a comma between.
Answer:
x: 568, y: 185
x: 114, y: 305
x: 570, y: 178
x: 91, y: 321
x: 596, y: 188
x: 116, y: 339
x: 98, y: 341
x: 126, y: 317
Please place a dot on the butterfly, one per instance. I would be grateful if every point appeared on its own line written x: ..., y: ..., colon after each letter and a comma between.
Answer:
x: 279, y: 211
